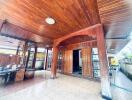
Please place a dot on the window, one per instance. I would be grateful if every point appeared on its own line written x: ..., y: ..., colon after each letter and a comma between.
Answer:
x: 95, y: 61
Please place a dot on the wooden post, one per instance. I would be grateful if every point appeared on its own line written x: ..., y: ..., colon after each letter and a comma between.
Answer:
x: 54, y: 62
x: 28, y: 58
x: 24, y: 53
x: 17, y: 52
x: 46, y: 59
x: 105, y: 82
x: 34, y: 59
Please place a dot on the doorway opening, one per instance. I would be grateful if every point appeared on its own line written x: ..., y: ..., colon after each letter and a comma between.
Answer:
x: 77, y: 63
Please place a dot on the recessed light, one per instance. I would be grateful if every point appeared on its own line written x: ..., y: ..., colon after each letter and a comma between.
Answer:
x: 50, y: 20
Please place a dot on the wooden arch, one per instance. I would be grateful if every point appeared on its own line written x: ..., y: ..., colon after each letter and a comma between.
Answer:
x: 87, y: 31
x: 97, y: 32
x: 90, y: 31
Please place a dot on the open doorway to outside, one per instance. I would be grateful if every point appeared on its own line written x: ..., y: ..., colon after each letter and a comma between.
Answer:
x: 77, y: 63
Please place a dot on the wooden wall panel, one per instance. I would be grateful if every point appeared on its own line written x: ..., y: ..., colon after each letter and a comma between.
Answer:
x: 87, y: 70
x: 9, y: 29
x: 68, y: 61
x: 7, y: 59
x: 86, y: 57
x: 82, y: 45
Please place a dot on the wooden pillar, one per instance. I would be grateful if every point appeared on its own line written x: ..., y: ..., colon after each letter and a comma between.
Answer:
x: 87, y: 69
x: 25, y: 47
x: 28, y: 58
x: 17, y: 52
x: 54, y: 62
x: 105, y: 82
x: 46, y: 59
x: 34, y: 59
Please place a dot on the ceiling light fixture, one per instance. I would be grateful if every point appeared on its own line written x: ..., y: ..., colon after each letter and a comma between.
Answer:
x: 50, y: 20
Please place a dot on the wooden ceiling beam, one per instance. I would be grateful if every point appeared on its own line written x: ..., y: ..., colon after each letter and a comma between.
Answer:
x: 11, y: 30
x: 90, y: 31
x: 87, y: 44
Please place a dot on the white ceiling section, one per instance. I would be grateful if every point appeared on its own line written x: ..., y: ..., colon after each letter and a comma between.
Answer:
x: 126, y: 51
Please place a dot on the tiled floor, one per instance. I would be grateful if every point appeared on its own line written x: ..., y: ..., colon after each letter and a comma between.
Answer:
x: 44, y: 88
x: 120, y: 80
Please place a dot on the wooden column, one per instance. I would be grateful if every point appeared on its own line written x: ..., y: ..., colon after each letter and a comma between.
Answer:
x: 28, y: 58
x: 46, y: 59
x: 34, y: 59
x: 105, y: 82
x: 54, y: 62
x: 25, y: 47
x: 17, y: 51
x: 87, y: 70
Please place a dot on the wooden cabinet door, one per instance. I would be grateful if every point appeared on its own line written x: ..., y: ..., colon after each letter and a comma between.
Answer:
x: 87, y: 62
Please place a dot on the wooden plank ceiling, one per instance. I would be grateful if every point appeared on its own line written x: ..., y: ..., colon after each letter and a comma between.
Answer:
x: 70, y: 16
x: 116, y: 16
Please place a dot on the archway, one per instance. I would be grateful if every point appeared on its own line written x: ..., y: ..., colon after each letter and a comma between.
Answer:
x: 95, y: 31
x: 90, y: 31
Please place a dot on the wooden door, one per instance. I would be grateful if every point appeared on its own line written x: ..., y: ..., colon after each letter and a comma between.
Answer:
x: 68, y: 61
x: 87, y: 70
